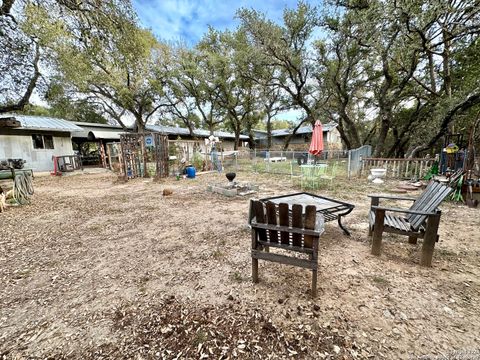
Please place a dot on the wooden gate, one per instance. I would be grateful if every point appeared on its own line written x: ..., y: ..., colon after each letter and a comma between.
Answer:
x: 144, y: 155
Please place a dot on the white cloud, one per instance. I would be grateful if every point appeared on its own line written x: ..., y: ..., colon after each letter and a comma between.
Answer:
x: 188, y: 20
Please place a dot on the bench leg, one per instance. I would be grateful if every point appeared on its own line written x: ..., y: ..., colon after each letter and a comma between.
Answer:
x: 255, y: 270
x: 254, y: 261
x: 412, y: 240
x: 429, y: 240
x: 314, y: 283
x: 377, y: 232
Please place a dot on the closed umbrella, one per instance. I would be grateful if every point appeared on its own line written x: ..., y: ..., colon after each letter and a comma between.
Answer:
x: 316, y: 146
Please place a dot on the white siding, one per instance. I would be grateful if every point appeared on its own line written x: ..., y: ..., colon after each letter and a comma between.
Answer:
x: 21, y: 147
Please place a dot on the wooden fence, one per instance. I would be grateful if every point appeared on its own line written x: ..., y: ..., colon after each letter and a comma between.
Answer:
x: 398, y: 168
x: 144, y: 155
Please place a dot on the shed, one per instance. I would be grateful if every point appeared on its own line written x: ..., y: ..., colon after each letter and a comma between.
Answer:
x: 91, y: 142
x: 302, y: 137
x: 173, y: 132
x: 35, y: 139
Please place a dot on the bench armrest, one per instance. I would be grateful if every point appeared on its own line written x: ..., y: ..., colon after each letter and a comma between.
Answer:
x: 405, y: 211
x: 391, y: 197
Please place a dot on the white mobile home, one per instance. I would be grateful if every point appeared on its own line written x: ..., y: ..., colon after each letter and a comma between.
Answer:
x: 36, y: 139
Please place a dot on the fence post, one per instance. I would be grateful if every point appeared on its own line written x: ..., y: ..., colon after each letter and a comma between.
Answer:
x: 267, y: 157
x: 349, y: 163
x: 292, y: 163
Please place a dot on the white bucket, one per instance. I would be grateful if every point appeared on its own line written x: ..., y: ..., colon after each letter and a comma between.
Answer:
x: 378, y: 173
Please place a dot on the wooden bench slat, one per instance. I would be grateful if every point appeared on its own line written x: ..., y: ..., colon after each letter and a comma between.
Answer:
x: 300, y: 249
x: 392, y: 221
x: 284, y: 221
x: 297, y: 222
x: 283, y: 259
x: 300, y: 231
x: 310, y: 219
x: 260, y: 218
x: 272, y: 220
x: 430, y: 205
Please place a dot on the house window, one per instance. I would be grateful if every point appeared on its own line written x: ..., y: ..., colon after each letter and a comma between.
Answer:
x: 48, y: 141
x: 42, y: 141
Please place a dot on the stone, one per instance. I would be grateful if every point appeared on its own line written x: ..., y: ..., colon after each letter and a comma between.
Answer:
x: 387, y: 313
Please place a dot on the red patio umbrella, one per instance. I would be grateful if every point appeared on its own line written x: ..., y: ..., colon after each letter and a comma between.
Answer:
x: 316, y: 146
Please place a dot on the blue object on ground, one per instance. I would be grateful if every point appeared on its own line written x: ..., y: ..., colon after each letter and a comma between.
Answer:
x: 191, y: 172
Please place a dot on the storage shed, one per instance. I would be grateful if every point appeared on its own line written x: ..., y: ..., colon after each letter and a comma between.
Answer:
x: 35, y: 139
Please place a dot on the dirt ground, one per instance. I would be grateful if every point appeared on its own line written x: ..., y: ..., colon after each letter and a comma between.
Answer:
x: 94, y: 268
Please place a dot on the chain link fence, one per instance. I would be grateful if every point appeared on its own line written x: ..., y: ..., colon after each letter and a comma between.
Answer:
x: 283, y: 162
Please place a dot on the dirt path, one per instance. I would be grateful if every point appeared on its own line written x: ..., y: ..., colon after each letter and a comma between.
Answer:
x: 94, y: 268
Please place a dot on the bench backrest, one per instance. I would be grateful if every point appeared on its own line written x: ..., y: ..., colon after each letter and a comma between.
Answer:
x: 281, y: 220
x: 428, y: 201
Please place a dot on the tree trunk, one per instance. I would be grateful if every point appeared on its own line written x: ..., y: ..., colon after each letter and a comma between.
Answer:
x: 269, y: 132
x: 344, y: 137
x: 447, y: 76
x: 139, y: 124
x: 237, y: 139
x: 289, y: 137
x: 20, y: 104
x: 431, y: 65
x: 350, y: 129
x: 382, y: 136
x: 6, y: 7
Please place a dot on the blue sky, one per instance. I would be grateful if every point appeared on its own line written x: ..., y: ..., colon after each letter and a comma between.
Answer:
x: 188, y: 20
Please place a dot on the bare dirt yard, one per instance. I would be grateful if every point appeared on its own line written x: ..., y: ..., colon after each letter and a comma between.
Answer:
x: 94, y: 268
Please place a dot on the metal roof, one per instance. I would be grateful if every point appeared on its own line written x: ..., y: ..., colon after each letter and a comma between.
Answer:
x: 97, y: 134
x: 97, y: 125
x: 93, y: 131
x: 44, y: 123
x: 173, y: 130
x: 304, y: 129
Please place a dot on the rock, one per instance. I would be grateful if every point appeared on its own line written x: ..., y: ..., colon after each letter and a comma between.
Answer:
x: 448, y: 310
x: 167, y: 192
x: 387, y: 313
x: 230, y: 297
x: 280, y: 301
x: 336, y: 349
x: 316, y: 307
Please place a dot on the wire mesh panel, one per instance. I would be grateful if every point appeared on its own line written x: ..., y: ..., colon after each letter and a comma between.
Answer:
x: 114, y: 154
x: 288, y: 162
x: 161, y: 148
x: 144, y: 155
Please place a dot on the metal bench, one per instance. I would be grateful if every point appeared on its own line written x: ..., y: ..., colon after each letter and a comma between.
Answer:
x: 421, y: 220
x: 293, y: 228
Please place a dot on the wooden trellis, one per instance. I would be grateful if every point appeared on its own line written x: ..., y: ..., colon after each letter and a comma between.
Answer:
x: 144, y: 155
x: 161, y: 146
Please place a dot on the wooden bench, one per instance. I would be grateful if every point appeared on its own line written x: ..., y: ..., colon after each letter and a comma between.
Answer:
x: 294, y: 229
x: 421, y: 220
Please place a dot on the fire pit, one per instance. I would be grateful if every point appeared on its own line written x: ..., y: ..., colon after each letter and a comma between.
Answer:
x: 233, y: 188
x: 230, y: 176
